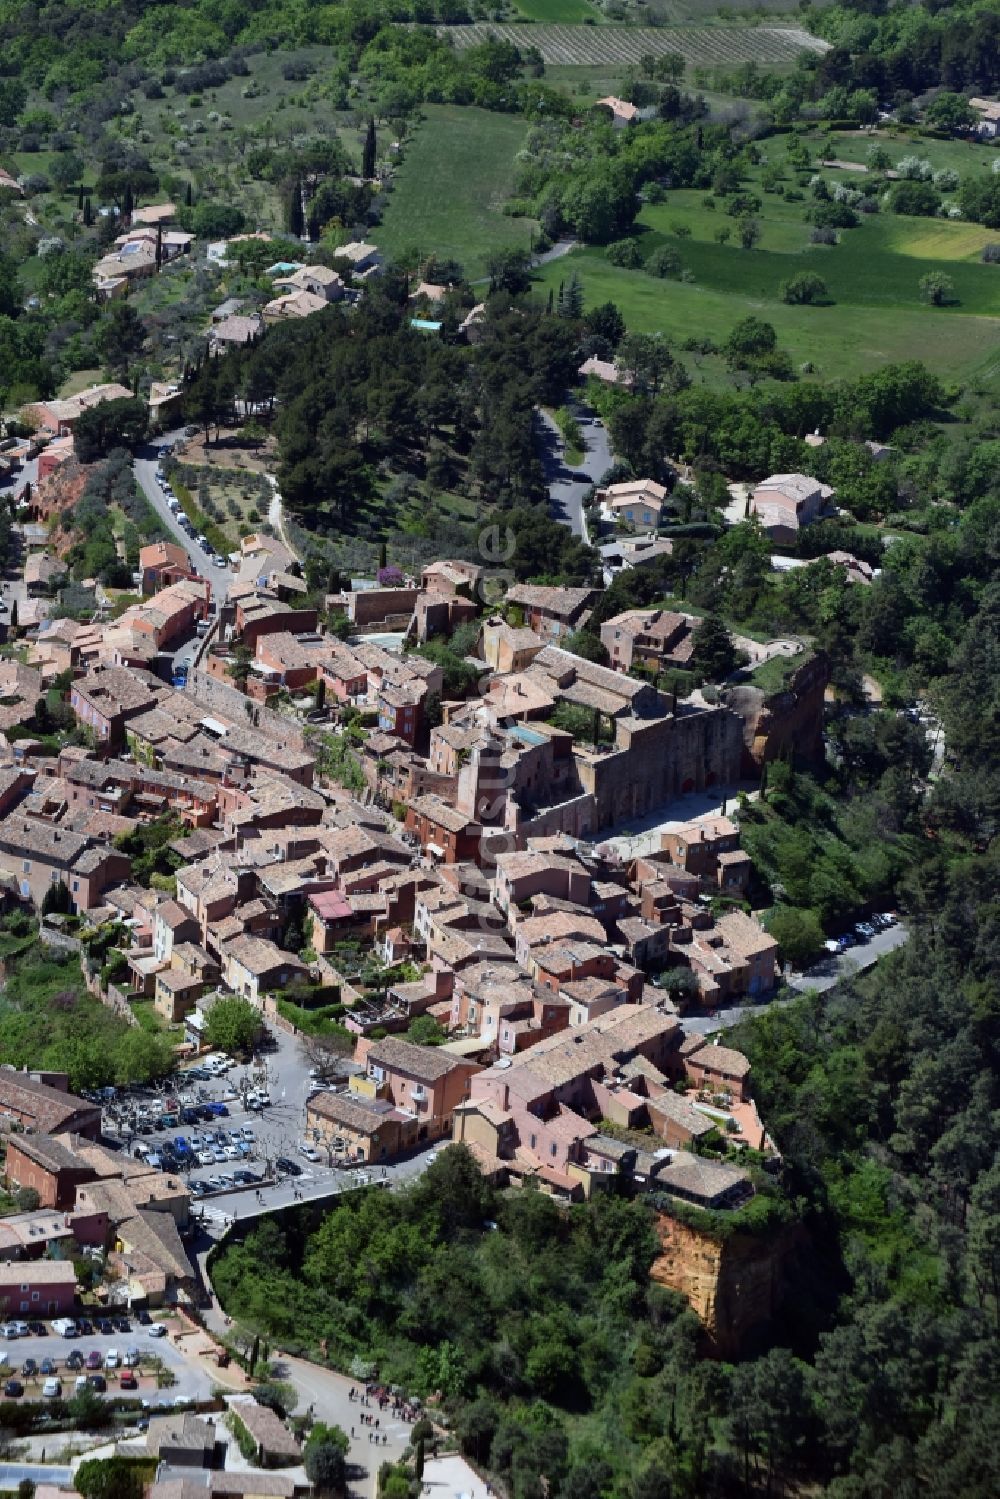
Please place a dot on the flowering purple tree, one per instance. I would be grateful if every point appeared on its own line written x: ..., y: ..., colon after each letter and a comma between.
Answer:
x: 389, y: 577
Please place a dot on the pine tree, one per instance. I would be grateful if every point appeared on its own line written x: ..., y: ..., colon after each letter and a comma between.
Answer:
x: 571, y: 304
x: 159, y: 246
x: 79, y: 197
x: 368, y: 154
x: 188, y: 195
x: 129, y: 201
x: 551, y: 300
x: 88, y: 213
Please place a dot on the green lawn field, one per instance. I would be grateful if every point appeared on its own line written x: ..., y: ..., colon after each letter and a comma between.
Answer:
x: 559, y: 12
x: 838, y: 341
x: 450, y: 190
x: 872, y: 275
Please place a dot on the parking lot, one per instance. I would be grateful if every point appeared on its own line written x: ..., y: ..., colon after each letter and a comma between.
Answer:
x: 184, y: 1379
x: 227, y: 1128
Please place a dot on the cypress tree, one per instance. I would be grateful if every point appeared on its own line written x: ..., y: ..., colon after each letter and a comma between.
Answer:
x: 79, y: 197
x: 188, y: 195
x: 368, y: 154
x: 296, y: 218
x: 88, y: 213
x: 128, y: 203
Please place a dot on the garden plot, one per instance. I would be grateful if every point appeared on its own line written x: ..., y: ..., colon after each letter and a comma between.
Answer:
x: 700, y: 46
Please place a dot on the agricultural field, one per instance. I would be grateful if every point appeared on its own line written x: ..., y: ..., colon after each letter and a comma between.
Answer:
x: 701, y: 46
x: 449, y: 192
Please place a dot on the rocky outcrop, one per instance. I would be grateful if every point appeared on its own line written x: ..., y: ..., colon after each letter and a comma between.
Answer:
x: 785, y: 722
x: 734, y: 1285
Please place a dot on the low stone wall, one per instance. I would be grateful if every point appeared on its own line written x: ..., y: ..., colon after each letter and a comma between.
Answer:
x: 112, y: 998
x: 221, y: 697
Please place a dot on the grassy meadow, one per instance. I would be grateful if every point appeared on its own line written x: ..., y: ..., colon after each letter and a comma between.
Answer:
x: 875, y: 311
x: 449, y: 192
x: 559, y: 12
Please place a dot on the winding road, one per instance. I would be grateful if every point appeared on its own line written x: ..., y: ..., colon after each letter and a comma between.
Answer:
x: 144, y: 467
x: 567, y: 486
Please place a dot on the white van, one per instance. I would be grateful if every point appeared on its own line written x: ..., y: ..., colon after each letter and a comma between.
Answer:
x: 65, y: 1327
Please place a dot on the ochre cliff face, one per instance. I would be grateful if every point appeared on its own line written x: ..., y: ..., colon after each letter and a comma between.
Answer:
x: 733, y: 1286
x: 791, y: 720
x: 55, y: 494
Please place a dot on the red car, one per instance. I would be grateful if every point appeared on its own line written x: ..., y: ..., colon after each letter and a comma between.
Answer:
x: 128, y: 1380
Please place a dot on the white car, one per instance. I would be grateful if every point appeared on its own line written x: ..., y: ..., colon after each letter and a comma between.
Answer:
x: 309, y: 1151
x: 112, y: 1359
x: 52, y: 1389
x: 232, y: 1154
x: 132, y: 1357
x: 206, y: 1158
x: 157, y: 1330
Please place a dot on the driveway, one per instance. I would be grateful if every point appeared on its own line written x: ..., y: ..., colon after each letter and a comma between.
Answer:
x: 567, y: 486
x: 144, y: 468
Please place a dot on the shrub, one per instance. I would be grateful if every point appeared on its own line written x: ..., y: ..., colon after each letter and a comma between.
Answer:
x: 917, y: 199
x: 914, y: 169
x: 803, y: 289
x: 624, y: 253
x: 664, y: 262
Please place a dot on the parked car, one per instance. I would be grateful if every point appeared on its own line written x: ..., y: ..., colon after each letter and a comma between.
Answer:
x: 97, y: 1383
x: 13, y: 1389
x: 132, y: 1357
x: 94, y: 1360
x: 37, y: 1329
x: 128, y: 1381
x: 52, y: 1389
x: 122, y: 1324
x: 75, y: 1360
x: 104, y: 1327
x: 85, y: 1328
x: 309, y: 1151
x: 29, y: 1367
x: 290, y: 1168
x: 145, y: 1320
x: 48, y: 1366
x: 157, y: 1331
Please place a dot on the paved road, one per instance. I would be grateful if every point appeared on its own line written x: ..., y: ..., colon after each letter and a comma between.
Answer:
x: 145, y: 472
x: 821, y: 976
x: 567, y: 486
x: 328, y: 1393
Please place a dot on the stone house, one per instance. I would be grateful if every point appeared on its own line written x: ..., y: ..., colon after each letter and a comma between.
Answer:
x: 420, y: 1080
